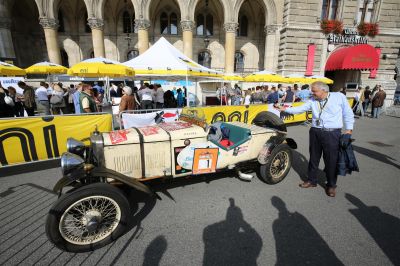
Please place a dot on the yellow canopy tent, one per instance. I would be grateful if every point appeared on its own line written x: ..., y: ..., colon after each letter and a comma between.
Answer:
x: 46, y: 68
x: 264, y: 76
x: 7, y: 69
x: 100, y: 67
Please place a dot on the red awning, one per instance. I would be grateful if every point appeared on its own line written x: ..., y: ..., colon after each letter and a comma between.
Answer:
x: 362, y: 56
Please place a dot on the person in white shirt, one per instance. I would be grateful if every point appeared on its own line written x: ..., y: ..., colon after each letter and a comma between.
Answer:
x: 146, y: 97
x: 43, y: 97
x: 158, y: 96
x: 247, y: 97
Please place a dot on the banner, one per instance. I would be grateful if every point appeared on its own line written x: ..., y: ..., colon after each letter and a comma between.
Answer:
x: 13, y: 82
x: 40, y: 138
x: 150, y: 119
x: 245, y: 113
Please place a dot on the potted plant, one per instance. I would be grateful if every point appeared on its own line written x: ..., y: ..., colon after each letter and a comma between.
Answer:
x: 374, y: 30
x: 331, y: 26
x: 370, y: 29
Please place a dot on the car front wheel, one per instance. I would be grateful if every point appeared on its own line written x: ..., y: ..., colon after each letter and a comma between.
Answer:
x: 277, y: 166
x: 88, y: 218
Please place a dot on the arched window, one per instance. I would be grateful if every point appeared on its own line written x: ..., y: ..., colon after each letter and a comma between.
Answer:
x: 204, y: 59
x: 200, y: 24
x: 127, y: 22
x: 173, y: 19
x: 87, y: 27
x: 132, y: 54
x: 243, y: 25
x: 204, y: 27
x: 164, y: 23
x: 239, y: 62
x: 92, y: 54
x: 365, y: 11
x: 64, y: 58
x: 60, y: 22
x: 209, y: 25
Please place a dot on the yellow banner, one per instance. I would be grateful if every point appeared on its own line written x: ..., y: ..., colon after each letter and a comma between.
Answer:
x: 40, y: 138
x: 243, y: 113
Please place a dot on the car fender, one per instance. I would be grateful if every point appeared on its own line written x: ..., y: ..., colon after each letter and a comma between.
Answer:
x: 271, y: 144
x: 102, y: 172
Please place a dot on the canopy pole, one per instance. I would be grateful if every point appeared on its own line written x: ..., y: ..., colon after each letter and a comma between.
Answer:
x: 107, y: 85
x: 195, y: 89
x: 187, y: 92
x: 220, y: 93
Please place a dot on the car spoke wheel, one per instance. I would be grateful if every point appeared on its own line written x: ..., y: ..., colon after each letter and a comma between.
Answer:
x: 88, y: 218
x: 277, y: 165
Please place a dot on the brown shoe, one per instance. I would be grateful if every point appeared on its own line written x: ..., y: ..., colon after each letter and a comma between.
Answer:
x: 330, y: 191
x: 307, y: 184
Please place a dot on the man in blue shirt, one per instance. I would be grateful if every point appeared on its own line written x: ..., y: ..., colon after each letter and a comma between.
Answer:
x: 330, y: 110
x: 273, y: 97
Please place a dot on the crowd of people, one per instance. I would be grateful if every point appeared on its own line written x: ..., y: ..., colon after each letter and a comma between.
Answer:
x: 262, y: 94
x: 364, y: 97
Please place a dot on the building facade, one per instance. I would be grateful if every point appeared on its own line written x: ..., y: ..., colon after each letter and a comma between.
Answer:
x: 241, y: 36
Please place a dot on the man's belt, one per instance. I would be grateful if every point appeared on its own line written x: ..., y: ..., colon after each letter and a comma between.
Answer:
x: 327, y: 129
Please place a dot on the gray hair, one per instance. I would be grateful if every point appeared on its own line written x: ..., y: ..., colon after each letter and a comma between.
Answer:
x: 320, y: 85
x: 127, y: 90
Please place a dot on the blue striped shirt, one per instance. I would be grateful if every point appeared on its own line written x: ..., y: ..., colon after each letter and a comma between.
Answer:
x: 333, y: 114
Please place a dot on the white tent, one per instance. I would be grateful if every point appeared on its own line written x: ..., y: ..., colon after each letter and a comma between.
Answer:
x: 163, y: 61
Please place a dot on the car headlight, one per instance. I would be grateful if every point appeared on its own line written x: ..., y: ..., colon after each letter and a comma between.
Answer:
x: 71, y: 162
x: 75, y: 146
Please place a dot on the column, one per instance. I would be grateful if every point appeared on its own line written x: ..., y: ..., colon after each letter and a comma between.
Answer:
x: 142, y: 26
x: 6, y: 44
x: 50, y: 27
x: 96, y: 25
x: 230, y: 37
x: 187, y: 32
x: 270, y: 44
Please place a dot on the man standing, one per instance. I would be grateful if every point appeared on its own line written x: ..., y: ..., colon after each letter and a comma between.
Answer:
x: 43, y: 97
x: 158, y: 96
x: 273, y: 97
x: 29, y: 98
x: 76, y: 98
x: 222, y: 94
x: 330, y: 111
x: 377, y: 102
x: 145, y: 94
x: 87, y: 102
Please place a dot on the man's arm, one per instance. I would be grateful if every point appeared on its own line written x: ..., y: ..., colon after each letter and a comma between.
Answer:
x: 348, y: 116
x: 298, y: 109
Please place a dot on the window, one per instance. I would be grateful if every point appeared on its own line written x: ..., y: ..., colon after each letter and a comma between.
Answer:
x: 329, y: 9
x: 164, y: 23
x: 132, y: 54
x: 87, y: 27
x: 204, y: 59
x: 239, y: 62
x: 204, y: 27
x: 60, y: 22
x: 64, y: 58
x: 243, y: 25
x: 173, y: 20
x: 92, y: 54
x: 126, y: 21
x: 365, y: 11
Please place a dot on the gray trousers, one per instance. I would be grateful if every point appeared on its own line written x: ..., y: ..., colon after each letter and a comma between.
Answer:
x: 46, y: 106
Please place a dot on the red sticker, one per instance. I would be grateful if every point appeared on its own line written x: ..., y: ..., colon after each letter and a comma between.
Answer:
x: 147, y: 131
x: 118, y: 136
x: 175, y: 126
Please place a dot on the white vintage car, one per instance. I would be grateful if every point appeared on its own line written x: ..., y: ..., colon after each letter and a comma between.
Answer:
x: 95, y: 212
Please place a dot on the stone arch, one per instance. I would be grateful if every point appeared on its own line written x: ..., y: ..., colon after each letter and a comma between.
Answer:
x: 251, y: 56
x: 214, y: 5
x: 269, y: 7
x: 73, y: 50
x: 217, y: 51
x: 157, y: 7
x: 111, y: 49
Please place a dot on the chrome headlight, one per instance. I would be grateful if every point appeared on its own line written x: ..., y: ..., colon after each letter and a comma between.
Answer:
x: 71, y: 162
x: 75, y: 146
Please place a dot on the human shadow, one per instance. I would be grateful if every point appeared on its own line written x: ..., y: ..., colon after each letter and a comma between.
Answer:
x: 231, y: 242
x: 376, y: 156
x: 384, y: 228
x: 154, y: 251
x: 300, y: 166
x: 297, y: 241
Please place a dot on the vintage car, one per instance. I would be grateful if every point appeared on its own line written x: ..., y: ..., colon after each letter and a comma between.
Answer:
x: 95, y: 211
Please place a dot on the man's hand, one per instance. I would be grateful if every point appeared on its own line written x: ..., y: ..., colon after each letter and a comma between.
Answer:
x: 280, y: 108
x: 348, y: 132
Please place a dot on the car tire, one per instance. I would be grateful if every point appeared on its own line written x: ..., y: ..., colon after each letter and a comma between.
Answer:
x: 270, y: 120
x: 278, y: 165
x: 99, y: 211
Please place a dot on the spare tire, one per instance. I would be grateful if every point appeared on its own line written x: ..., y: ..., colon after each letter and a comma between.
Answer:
x: 270, y: 120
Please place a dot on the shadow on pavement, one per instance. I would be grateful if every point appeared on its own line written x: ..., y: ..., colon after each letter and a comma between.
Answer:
x: 231, y: 242
x: 297, y: 241
x: 376, y: 156
x: 28, y: 167
x: 300, y: 166
x: 154, y: 251
x: 383, y: 228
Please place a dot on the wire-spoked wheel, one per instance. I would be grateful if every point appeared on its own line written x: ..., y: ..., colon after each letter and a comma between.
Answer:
x: 277, y: 166
x: 88, y: 218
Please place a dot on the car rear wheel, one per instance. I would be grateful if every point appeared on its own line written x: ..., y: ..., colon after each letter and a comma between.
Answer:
x: 88, y: 218
x: 278, y: 165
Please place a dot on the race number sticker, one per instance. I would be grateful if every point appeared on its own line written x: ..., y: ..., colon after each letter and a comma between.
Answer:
x: 205, y: 160
x: 147, y: 131
x: 118, y: 136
